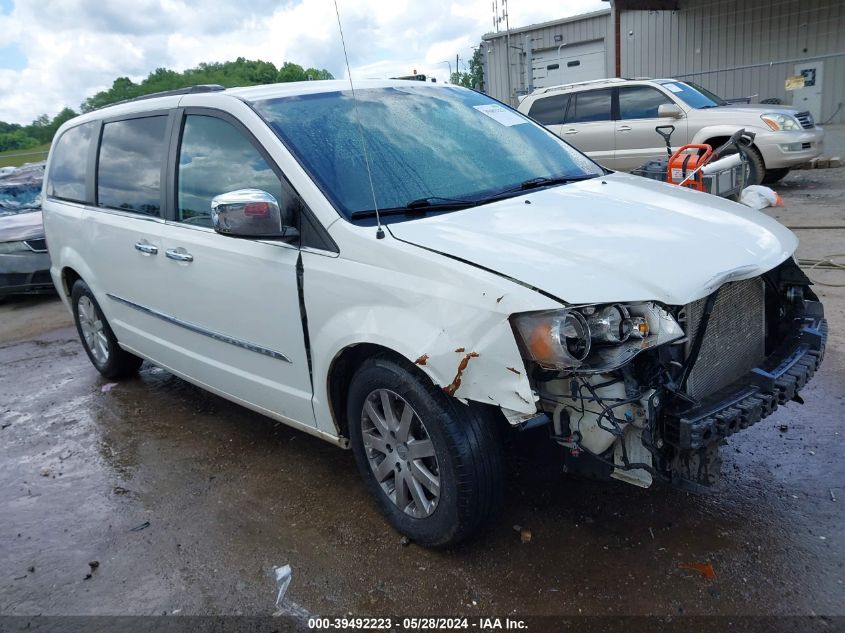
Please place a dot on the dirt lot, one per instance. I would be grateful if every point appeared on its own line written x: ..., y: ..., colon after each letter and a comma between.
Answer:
x: 189, y: 502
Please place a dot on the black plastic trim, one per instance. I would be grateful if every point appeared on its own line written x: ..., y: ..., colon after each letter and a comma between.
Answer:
x: 754, y: 396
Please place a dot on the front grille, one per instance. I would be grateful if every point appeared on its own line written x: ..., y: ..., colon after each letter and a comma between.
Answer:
x: 806, y: 120
x: 734, y: 342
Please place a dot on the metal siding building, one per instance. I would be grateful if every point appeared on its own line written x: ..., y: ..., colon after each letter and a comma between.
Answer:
x: 743, y: 48
x: 530, y: 42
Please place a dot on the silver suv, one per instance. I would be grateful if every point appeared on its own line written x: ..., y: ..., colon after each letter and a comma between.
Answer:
x: 613, y: 121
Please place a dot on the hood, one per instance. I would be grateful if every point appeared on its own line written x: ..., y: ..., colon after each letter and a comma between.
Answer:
x: 617, y: 238
x: 758, y: 107
x: 752, y: 109
x: 22, y: 226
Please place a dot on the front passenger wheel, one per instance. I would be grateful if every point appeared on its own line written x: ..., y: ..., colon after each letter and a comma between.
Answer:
x: 97, y: 337
x: 433, y: 465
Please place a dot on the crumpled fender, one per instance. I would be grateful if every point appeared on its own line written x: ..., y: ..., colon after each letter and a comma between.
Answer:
x: 449, y: 318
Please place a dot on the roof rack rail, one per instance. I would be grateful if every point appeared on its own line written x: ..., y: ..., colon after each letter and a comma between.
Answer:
x: 197, y: 89
x: 609, y: 80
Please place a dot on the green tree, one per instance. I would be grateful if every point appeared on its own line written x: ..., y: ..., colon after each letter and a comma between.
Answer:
x: 475, y: 77
x: 16, y: 139
x: 476, y: 69
x: 241, y: 72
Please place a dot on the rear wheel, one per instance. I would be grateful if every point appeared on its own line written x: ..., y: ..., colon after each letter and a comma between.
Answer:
x: 774, y: 175
x: 433, y: 465
x: 97, y: 337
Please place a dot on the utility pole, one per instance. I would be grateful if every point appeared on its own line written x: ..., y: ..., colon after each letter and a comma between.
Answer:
x: 508, y: 50
x: 457, y: 67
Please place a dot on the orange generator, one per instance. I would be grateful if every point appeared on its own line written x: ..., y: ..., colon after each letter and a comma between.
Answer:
x: 684, y: 162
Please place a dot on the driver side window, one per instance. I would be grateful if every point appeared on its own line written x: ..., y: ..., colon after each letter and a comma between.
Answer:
x: 214, y: 158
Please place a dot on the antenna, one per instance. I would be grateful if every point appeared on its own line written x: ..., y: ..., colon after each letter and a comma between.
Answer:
x: 380, y: 230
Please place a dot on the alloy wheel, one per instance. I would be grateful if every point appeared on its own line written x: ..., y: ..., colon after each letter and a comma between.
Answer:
x: 92, y: 330
x: 400, y: 453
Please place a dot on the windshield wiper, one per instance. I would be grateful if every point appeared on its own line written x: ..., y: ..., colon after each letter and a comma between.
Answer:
x: 535, y: 183
x: 420, y: 205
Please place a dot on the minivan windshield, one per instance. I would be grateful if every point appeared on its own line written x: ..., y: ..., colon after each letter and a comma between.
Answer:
x: 694, y: 95
x: 430, y: 148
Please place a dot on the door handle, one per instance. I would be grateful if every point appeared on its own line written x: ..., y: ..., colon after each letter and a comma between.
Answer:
x: 146, y: 248
x: 179, y: 255
x: 571, y: 131
x: 623, y: 128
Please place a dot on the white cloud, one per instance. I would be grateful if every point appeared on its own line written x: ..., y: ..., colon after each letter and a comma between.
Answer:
x: 75, y: 48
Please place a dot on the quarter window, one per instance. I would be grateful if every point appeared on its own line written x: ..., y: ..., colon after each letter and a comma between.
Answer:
x: 215, y: 158
x: 640, y: 102
x: 589, y: 106
x: 68, y: 166
x: 549, y: 110
x: 129, y: 167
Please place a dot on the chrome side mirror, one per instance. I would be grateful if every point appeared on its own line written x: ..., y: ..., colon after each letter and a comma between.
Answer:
x: 669, y: 110
x: 250, y: 213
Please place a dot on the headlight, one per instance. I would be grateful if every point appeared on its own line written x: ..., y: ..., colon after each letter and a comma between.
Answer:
x: 779, y: 122
x: 594, y: 339
x: 7, y: 248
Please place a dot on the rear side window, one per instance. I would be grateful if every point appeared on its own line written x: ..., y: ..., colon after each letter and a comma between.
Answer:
x: 69, y: 164
x: 549, y: 110
x: 129, y: 167
x: 589, y: 106
x: 640, y: 102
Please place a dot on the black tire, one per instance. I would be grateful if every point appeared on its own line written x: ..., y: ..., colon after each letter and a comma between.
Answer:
x: 754, y: 160
x: 466, y: 443
x: 117, y: 363
x: 774, y: 175
x: 756, y: 166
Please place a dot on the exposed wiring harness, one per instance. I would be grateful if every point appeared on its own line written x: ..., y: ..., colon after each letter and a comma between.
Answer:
x: 607, y: 404
x: 825, y: 263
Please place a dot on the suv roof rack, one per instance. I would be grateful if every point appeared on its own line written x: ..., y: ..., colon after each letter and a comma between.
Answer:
x: 197, y: 89
x: 609, y: 80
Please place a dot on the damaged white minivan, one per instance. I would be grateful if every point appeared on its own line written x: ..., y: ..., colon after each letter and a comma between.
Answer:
x: 410, y: 269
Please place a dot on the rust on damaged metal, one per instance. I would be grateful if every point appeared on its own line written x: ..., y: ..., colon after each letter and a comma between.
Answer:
x: 451, y: 388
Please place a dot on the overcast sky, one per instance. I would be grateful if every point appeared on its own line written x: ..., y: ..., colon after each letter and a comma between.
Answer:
x: 55, y: 53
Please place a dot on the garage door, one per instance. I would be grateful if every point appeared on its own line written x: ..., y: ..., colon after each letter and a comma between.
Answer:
x: 576, y: 62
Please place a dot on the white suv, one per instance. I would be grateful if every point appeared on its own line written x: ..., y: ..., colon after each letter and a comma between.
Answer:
x: 613, y: 121
x: 414, y: 270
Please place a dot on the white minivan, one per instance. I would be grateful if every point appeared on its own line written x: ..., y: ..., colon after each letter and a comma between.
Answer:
x: 413, y: 271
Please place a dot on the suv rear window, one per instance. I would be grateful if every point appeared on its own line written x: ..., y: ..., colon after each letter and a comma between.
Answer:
x: 129, y: 168
x: 640, y: 102
x: 549, y: 110
x: 69, y: 164
x: 589, y: 106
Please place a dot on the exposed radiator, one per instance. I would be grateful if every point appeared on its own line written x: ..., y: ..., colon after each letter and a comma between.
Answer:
x: 734, y: 342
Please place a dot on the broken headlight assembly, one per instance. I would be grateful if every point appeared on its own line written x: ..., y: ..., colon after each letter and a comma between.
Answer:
x: 594, y: 338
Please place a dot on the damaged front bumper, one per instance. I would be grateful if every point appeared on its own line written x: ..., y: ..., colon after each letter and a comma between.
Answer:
x: 650, y: 419
x: 754, y: 396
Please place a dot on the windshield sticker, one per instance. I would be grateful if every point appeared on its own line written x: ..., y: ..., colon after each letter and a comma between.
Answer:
x: 499, y: 114
x: 672, y: 87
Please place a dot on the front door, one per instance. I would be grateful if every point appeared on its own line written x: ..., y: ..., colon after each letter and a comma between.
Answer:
x: 234, y: 299
x: 637, y: 141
